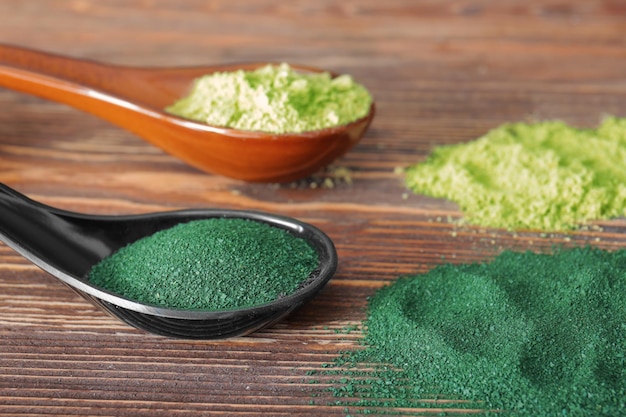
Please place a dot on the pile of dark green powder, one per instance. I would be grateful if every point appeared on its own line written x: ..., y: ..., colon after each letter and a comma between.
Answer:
x: 212, y: 264
x: 531, y: 334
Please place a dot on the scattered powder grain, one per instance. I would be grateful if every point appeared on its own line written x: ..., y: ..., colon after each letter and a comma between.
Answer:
x: 532, y: 334
x: 274, y: 99
x: 546, y: 175
x: 211, y: 264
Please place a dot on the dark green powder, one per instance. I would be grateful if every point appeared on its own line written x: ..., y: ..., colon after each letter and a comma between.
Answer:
x: 211, y: 264
x: 535, y: 335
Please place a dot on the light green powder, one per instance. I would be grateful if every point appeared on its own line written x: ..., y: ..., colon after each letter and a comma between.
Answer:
x: 547, y: 175
x: 274, y: 99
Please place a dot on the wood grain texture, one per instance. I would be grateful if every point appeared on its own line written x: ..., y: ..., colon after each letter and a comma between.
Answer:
x: 440, y: 71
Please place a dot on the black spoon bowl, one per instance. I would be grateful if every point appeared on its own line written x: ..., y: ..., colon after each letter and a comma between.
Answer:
x: 67, y: 245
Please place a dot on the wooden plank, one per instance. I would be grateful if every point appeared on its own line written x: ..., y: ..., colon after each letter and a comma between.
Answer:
x: 440, y: 71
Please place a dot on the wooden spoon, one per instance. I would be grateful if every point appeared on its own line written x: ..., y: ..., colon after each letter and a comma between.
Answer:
x: 134, y: 99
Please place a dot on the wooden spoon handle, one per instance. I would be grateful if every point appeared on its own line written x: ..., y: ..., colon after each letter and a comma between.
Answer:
x: 51, y: 76
x: 82, y: 83
x: 96, y: 88
x: 46, y: 65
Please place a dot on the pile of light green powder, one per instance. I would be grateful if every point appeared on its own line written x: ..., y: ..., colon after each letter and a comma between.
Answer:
x: 274, y: 99
x: 212, y: 264
x: 547, y: 176
x: 534, y: 335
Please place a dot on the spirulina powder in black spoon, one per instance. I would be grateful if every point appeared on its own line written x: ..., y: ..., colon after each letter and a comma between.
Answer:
x: 212, y: 264
x: 528, y: 334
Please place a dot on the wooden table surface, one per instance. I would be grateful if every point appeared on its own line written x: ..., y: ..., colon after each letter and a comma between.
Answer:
x: 441, y: 72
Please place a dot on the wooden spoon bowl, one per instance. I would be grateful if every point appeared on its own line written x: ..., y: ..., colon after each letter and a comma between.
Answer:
x: 134, y: 99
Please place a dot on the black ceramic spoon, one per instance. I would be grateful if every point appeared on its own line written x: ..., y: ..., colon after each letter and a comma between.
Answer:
x: 67, y: 245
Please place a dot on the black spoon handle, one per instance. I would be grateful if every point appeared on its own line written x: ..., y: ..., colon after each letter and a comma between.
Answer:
x: 44, y: 237
x: 6, y: 190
